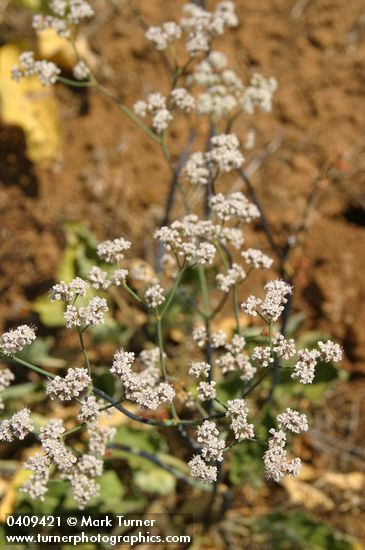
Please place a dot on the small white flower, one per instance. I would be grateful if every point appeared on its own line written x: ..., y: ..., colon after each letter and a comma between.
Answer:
x: 293, y: 421
x: 154, y: 296
x: 263, y: 355
x: 15, y: 340
x: 207, y: 391
x: 257, y: 259
x: 113, y: 251
x: 199, y: 368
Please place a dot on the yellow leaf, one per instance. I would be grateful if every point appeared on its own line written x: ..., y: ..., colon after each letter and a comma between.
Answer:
x: 228, y: 324
x: 304, y: 494
x: 7, y: 503
x: 114, y: 419
x: 30, y: 106
x: 353, y: 481
x: 60, y: 51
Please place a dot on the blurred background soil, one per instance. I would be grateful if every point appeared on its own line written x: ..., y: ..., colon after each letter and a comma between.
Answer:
x: 111, y: 177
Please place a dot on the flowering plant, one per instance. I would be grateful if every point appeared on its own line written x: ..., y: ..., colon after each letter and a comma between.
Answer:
x: 208, y: 245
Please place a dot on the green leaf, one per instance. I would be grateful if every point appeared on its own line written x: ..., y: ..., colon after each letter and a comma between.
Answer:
x: 246, y: 464
x: 294, y: 323
x: 144, y: 440
x: 17, y: 391
x: 50, y: 313
x: 38, y: 353
x: 111, y: 492
x: 156, y: 481
x: 66, y: 270
x: 299, y: 530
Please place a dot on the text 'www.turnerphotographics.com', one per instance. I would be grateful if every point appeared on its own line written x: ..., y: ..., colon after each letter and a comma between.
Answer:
x: 110, y: 529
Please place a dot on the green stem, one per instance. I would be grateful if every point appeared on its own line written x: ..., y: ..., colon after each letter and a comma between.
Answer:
x: 160, y: 344
x: 162, y: 358
x: 75, y: 83
x: 33, y: 367
x: 236, y: 309
x: 128, y: 112
x: 132, y: 293
x: 204, y: 289
x: 172, y: 293
x: 270, y: 335
x: 222, y: 255
x: 73, y: 430
x: 167, y: 156
x: 86, y: 358
x: 235, y: 443
x: 221, y: 403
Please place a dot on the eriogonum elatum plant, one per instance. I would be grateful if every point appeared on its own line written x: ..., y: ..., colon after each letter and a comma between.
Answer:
x: 213, y: 246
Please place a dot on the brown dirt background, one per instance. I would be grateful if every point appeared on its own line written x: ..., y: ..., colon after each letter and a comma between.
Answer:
x: 110, y: 176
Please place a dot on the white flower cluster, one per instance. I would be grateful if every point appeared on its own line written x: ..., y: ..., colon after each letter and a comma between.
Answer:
x: 89, y: 410
x: 275, y: 461
x: 98, y: 278
x: 143, y: 387
x: 162, y: 36
x: 90, y: 315
x: 211, y: 444
x: 78, y: 471
x: 6, y: 377
x: 207, y: 391
x: 234, y: 205
x: 283, y: 348
x: 81, y: 71
x: 154, y: 296
x: 113, y: 251
x: 36, y: 485
x: 234, y: 359
x: 120, y: 277
x: 275, y: 458
x: 201, y: 470
x: 46, y: 71
x: 62, y: 292
x: 304, y: 369
x: 257, y: 259
x: 200, y: 337
x: 211, y: 450
x: 55, y: 453
x: 234, y: 276
x: 263, y: 356
x: 16, y: 427
x: 181, y: 99
x: 199, y: 369
x: 202, y: 25
x: 330, y: 352
x: 237, y: 410
x: 293, y: 421
x: 159, y: 107
x: 156, y: 106
x: 59, y: 453
x: 224, y: 156
x: 90, y: 465
x: 67, y: 13
x: 99, y: 436
x: 258, y: 94
x: 217, y: 339
x: 15, y: 340
x: 225, y: 93
x: 273, y: 304
x: 188, y: 238
x: 74, y: 383
x: 195, y: 240
x: 52, y: 430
